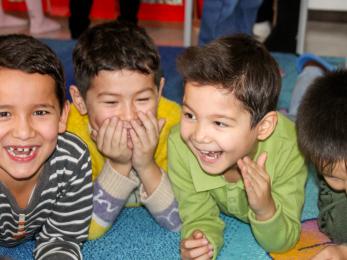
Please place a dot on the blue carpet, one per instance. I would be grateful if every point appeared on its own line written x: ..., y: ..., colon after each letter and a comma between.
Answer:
x: 135, y: 235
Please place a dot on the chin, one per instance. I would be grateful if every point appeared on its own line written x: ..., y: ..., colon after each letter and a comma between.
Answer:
x: 213, y: 169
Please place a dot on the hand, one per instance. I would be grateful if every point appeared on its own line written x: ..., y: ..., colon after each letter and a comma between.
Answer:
x: 144, y: 136
x: 196, y: 247
x: 258, y: 187
x: 333, y: 252
x: 111, y: 140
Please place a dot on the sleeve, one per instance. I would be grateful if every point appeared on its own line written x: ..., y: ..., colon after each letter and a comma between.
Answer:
x: 111, y: 191
x: 282, y: 231
x: 198, y: 210
x: 67, y: 226
x: 162, y: 204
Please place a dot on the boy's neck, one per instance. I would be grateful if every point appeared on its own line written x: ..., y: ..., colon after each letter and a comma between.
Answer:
x: 21, y: 190
x: 233, y: 175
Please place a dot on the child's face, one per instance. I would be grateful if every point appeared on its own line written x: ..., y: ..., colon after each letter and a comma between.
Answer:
x: 30, y: 120
x: 216, y: 127
x: 338, y: 178
x: 122, y: 94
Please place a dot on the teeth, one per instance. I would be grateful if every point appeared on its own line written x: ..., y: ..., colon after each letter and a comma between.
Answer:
x: 211, y: 155
x: 21, y: 152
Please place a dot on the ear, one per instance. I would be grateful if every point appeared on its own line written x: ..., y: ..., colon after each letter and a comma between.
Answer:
x: 63, y: 117
x: 161, y: 86
x: 78, y: 100
x: 267, y: 125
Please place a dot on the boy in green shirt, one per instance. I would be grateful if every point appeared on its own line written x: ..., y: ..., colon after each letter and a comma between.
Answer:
x: 321, y: 127
x: 232, y: 151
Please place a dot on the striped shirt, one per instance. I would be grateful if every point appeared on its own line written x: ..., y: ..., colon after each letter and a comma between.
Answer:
x: 60, y: 208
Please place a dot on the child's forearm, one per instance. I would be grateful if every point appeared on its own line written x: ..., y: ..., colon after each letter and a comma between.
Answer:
x: 162, y: 204
x: 150, y: 177
x: 111, y: 191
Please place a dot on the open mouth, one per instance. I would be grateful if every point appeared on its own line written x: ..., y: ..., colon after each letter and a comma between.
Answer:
x: 21, y: 153
x: 209, y: 156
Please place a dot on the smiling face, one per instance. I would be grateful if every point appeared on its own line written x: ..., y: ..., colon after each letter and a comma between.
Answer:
x: 121, y: 93
x: 30, y: 120
x: 216, y: 127
x: 337, y: 179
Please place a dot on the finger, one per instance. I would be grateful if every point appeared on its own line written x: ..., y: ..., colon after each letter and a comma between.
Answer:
x: 206, y: 256
x: 94, y: 134
x: 256, y: 171
x: 250, y: 182
x: 123, y: 139
x: 126, y: 135
x: 194, y: 243
x: 151, y: 125
x: 101, y: 134
x: 197, y: 234
x: 154, y: 122
x: 115, y: 137
x: 197, y: 252
x: 134, y: 139
x: 140, y: 132
x: 261, y: 160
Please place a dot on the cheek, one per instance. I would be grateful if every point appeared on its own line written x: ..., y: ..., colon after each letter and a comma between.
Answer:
x: 48, y: 132
x: 337, y: 185
x: 185, y: 130
x: 145, y: 108
x: 97, y: 117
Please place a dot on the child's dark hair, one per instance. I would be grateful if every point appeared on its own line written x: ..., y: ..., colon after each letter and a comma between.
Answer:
x: 239, y: 64
x: 114, y: 46
x: 27, y: 54
x: 322, y: 121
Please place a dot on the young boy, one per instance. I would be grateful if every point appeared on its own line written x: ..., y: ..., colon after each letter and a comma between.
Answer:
x: 45, y: 174
x: 232, y: 152
x: 119, y: 112
x: 322, y: 136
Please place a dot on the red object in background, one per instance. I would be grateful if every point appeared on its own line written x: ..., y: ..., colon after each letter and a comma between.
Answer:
x: 107, y: 9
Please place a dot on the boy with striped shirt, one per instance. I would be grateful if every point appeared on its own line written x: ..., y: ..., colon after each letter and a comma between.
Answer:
x: 45, y: 174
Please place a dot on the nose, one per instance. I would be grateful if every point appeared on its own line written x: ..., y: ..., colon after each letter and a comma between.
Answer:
x: 128, y: 112
x: 201, y: 134
x: 23, y: 128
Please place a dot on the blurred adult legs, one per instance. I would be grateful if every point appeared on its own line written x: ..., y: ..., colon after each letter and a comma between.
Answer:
x: 225, y: 17
x: 79, y: 16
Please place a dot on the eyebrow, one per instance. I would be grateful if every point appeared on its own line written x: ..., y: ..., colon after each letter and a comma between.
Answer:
x: 117, y: 95
x: 38, y: 105
x: 184, y: 104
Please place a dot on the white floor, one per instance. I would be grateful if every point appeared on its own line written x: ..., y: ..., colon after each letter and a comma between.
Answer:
x: 324, y: 38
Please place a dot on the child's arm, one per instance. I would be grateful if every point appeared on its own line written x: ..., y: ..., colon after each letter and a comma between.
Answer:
x: 156, y: 192
x: 67, y: 225
x: 111, y: 191
x: 145, y: 139
x: 332, y: 252
x: 116, y: 180
x: 198, y: 210
x: 162, y: 204
x: 276, y: 229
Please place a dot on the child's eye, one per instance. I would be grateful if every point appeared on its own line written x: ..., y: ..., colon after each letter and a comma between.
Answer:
x: 111, y: 102
x: 143, y: 99
x: 41, y: 113
x: 4, y: 114
x: 220, y: 124
x: 188, y: 115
